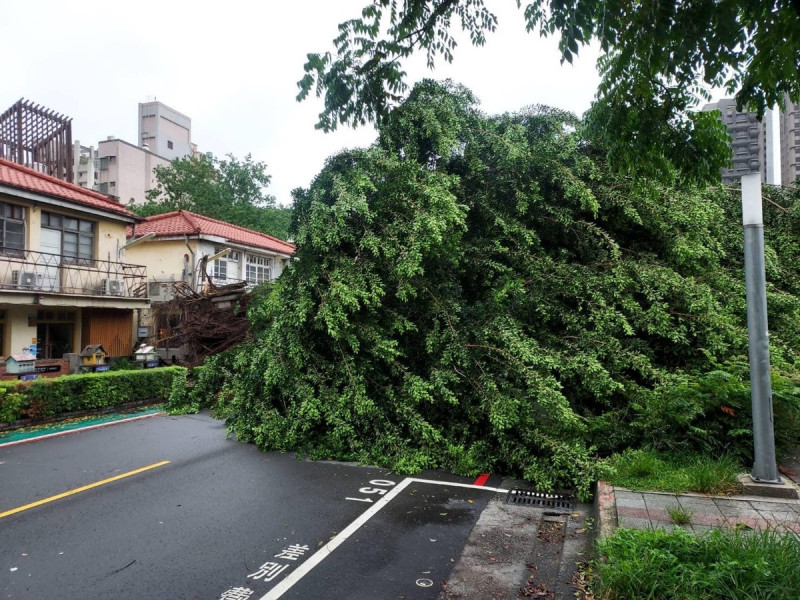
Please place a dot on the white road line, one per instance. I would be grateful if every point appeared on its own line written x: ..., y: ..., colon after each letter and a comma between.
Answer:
x: 321, y: 554
x: 463, y: 485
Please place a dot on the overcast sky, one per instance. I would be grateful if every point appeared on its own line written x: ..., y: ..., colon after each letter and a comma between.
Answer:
x: 233, y: 67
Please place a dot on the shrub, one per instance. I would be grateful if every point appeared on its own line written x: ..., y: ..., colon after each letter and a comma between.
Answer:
x: 199, y: 387
x: 48, y: 397
x: 710, y: 412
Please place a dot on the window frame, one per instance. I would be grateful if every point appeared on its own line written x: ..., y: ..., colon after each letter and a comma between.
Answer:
x: 7, y: 217
x: 260, y: 265
x: 79, y: 233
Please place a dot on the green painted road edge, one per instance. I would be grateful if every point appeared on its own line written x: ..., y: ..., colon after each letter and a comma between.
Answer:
x: 73, y: 425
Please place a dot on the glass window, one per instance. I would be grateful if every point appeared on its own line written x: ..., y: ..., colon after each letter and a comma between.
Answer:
x: 258, y: 269
x: 220, y: 269
x: 12, y: 228
x: 77, y: 240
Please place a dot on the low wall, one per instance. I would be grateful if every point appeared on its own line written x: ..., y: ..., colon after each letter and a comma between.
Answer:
x: 55, y: 368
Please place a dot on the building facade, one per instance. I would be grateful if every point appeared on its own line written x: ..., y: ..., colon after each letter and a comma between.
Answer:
x: 63, y: 284
x: 84, y: 165
x: 748, y: 141
x: 126, y: 172
x: 189, y: 254
x: 164, y: 131
x: 790, y: 143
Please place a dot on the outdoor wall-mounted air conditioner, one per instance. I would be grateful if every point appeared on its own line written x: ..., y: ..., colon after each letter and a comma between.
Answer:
x: 25, y: 280
x: 111, y: 287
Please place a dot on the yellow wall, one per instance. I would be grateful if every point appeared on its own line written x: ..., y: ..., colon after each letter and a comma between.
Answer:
x: 109, y: 235
x: 18, y: 334
x: 163, y: 258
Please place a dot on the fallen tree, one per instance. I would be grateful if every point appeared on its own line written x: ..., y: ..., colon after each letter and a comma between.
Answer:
x: 483, y: 294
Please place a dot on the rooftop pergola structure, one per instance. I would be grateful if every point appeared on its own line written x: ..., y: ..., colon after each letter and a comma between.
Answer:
x: 38, y: 138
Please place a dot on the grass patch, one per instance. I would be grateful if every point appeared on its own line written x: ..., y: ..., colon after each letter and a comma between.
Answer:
x: 679, y: 515
x: 720, y: 564
x: 649, y: 470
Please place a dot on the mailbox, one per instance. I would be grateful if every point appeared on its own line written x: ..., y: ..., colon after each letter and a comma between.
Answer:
x: 20, y: 363
x: 93, y: 354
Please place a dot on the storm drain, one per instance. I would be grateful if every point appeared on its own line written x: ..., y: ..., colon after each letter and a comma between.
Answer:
x: 541, y: 499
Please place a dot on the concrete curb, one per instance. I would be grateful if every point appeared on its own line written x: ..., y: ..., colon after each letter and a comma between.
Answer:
x: 46, y: 436
x: 605, y: 511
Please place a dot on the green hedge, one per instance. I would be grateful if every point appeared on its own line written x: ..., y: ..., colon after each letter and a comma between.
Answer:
x: 44, y: 398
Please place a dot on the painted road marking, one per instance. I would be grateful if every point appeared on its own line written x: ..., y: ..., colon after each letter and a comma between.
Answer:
x: 321, y: 554
x: 83, y: 488
x: 482, y: 479
x: 375, y: 490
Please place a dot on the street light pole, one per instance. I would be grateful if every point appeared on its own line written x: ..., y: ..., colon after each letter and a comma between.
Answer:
x: 765, y: 467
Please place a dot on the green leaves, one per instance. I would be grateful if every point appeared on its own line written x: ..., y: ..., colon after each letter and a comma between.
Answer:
x: 483, y: 293
x: 660, y: 59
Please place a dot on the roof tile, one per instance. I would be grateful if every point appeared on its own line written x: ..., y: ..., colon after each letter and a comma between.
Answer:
x: 183, y: 222
x: 23, y: 178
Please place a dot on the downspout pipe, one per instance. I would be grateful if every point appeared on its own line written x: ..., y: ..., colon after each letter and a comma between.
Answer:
x: 192, y: 276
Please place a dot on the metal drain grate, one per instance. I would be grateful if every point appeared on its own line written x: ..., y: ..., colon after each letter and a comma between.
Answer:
x: 532, y: 498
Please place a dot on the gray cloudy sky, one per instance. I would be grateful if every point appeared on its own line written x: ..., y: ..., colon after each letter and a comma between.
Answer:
x: 232, y: 67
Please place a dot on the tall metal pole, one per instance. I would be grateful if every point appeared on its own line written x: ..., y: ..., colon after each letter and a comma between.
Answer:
x: 765, y: 467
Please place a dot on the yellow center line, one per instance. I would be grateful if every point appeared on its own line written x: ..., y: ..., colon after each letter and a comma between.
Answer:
x: 82, y: 489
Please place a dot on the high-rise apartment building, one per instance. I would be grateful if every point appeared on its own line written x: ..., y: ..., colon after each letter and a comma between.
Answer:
x: 790, y: 143
x: 164, y: 130
x: 126, y: 171
x: 84, y: 165
x: 748, y: 141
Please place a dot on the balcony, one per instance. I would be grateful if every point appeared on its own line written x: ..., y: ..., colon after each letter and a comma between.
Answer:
x: 31, y: 271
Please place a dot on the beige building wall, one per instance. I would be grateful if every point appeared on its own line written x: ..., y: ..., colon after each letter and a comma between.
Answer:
x: 166, y: 260
x: 19, y: 333
x: 790, y: 143
x: 20, y: 330
x: 126, y: 172
x: 164, y: 130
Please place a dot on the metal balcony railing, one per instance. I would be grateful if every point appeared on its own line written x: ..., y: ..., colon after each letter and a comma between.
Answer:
x: 42, y: 272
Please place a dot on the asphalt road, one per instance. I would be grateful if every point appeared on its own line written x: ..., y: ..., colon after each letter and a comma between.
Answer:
x: 220, y: 520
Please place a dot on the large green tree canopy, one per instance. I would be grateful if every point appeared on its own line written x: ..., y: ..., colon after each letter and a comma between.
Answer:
x: 483, y: 294
x: 660, y: 58
x: 228, y: 189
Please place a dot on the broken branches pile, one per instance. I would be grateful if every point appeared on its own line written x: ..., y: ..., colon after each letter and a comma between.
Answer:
x: 206, y: 323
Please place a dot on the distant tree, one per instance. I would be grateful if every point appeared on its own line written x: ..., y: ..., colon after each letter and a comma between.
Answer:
x: 659, y: 59
x: 231, y: 190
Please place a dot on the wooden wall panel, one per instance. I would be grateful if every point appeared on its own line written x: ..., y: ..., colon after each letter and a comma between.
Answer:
x: 111, y: 327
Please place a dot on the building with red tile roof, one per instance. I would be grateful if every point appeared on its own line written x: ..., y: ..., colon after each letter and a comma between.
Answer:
x: 63, y: 284
x: 183, y: 222
x: 209, y: 256
x: 25, y: 182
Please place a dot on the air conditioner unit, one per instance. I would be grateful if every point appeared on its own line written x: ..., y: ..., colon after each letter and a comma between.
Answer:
x: 25, y: 280
x: 111, y: 287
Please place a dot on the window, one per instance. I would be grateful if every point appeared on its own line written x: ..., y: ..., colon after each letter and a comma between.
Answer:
x: 12, y: 228
x: 169, y: 144
x: 258, y: 269
x: 77, y: 239
x: 220, y: 269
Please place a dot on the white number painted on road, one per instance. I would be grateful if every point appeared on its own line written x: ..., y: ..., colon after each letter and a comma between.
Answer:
x: 378, y: 483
